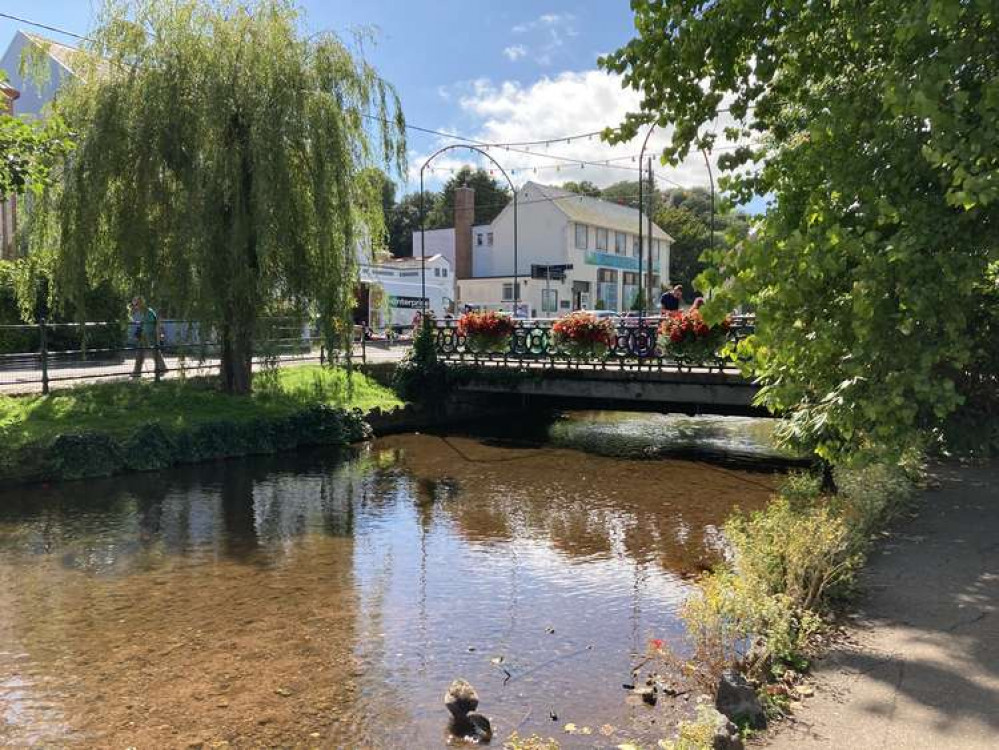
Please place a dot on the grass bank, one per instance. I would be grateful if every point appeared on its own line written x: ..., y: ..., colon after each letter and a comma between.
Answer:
x: 102, y: 429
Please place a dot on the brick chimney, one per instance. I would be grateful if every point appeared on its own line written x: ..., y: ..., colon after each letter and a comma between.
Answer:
x: 464, y: 217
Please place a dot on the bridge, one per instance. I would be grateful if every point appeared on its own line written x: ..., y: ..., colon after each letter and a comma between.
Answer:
x: 635, y: 373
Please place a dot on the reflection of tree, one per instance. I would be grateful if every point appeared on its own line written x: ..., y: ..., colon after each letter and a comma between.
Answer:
x: 582, y: 505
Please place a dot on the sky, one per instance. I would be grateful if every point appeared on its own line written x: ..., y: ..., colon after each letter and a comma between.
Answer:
x: 511, y: 71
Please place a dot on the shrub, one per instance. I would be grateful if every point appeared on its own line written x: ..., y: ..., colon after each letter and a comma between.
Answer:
x: 150, y: 447
x: 421, y: 377
x: 90, y: 454
x: 788, y: 563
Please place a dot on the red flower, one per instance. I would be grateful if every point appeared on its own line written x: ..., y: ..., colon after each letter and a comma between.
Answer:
x: 676, y: 335
x: 656, y: 643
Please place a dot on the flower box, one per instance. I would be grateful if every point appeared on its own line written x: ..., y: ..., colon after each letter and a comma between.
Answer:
x: 687, y: 338
x: 486, y: 332
x: 582, y: 335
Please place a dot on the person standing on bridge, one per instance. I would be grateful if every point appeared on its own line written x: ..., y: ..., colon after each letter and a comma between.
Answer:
x: 670, y: 300
x: 146, y: 336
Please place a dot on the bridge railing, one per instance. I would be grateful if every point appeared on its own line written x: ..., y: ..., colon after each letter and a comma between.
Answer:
x: 636, y: 345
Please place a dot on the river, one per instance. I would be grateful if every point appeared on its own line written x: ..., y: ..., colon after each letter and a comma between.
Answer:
x: 326, y: 599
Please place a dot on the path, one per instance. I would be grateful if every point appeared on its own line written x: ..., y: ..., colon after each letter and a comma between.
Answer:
x: 922, y: 667
x: 14, y: 380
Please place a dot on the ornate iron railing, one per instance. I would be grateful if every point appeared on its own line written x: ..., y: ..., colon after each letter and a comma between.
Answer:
x: 636, y: 346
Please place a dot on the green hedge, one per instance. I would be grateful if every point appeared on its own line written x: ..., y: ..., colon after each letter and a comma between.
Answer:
x: 152, y: 446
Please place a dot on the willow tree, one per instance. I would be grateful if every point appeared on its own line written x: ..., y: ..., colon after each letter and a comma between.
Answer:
x: 217, y: 166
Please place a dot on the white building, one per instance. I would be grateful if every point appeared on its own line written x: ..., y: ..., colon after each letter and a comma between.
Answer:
x: 599, y: 239
x: 391, y: 291
x: 41, y: 79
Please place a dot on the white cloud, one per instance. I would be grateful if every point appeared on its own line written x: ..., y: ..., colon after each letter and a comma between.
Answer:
x: 515, y: 52
x: 546, y: 19
x: 550, y: 31
x: 565, y: 104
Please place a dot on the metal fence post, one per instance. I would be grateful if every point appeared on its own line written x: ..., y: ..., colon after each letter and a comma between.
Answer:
x: 44, y: 353
x: 157, y: 355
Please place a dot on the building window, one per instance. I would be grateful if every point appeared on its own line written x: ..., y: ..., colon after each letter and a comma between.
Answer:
x: 606, y: 289
x: 549, y: 300
x: 581, y: 236
x: 601, y: 240
x: 508, y: 291
x: 620, y: 243
x: 444, y: 272
x: 629, y: 289
x: 489, y: 239
x: 634, y: 245
x: 409, y: 273
x: 478, y: 239
x: 437, y: 272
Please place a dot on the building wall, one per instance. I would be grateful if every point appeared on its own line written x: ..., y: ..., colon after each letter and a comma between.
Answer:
x: 439, y: 242
x: 35, y: 94
x: 541, y: 238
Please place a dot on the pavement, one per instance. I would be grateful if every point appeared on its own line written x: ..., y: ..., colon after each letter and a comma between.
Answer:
x: 28, y: 379
x: 920, y: 666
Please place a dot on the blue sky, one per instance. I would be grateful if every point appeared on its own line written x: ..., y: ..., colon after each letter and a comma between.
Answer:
x: 498, y: 71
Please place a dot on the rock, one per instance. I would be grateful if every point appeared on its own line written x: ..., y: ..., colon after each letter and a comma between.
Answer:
x: 647, y: 694
x: 726, y: 734
x: 737, y: 699
x: 471, y: 727
x: 461, y: 698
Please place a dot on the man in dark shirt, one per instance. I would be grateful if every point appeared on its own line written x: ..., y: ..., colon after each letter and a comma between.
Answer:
x: 670, y: 301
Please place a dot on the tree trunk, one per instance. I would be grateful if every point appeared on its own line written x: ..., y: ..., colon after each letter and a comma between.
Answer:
x: 236, y: 366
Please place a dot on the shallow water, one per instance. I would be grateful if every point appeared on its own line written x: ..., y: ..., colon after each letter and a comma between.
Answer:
x: 326, y: 600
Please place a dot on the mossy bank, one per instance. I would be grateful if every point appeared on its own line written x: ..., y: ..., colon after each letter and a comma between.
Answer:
x: 105, y: 429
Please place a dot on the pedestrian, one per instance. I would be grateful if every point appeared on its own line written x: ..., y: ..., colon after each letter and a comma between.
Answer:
x: 670, y: 300
x: 146, y: 336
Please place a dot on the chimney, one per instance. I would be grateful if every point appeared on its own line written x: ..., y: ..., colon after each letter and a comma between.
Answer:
x: 464, y: 217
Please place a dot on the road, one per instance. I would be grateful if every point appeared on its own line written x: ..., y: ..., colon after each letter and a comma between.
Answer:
x: 921, y: 668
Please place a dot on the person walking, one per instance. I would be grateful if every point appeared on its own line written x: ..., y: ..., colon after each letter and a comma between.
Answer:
x: 146, y: 336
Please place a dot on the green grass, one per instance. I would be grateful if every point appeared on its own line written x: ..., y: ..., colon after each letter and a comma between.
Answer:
x: 120, y: 408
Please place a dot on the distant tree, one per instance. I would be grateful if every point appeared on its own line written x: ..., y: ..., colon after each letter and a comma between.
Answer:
x: 583, y: 188
x: 691, y: 236
x: 404, y: 219
x: 491, y: 197
x: 218, y: 166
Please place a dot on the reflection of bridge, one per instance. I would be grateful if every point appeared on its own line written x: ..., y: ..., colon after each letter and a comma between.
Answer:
x: 635, y: 374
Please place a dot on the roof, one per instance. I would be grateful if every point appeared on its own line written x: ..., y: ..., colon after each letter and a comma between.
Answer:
x: 66, y: 56
x: 597, y: 212
x: 9, y: 92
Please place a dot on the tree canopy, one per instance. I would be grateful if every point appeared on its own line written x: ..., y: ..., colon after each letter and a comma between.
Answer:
x: 872, y: 125
x: 220, y: 166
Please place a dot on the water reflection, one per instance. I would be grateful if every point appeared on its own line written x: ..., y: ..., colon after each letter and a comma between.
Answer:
x: 323, y: 599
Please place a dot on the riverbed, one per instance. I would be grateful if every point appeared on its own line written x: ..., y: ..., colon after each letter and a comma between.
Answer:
x: 326, y: 599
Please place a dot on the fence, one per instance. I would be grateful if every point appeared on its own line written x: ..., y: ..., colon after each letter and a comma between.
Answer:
x: 635, y: 345
x: 43, y: 356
